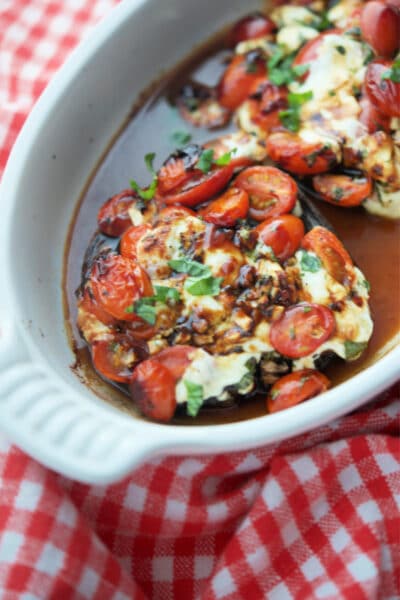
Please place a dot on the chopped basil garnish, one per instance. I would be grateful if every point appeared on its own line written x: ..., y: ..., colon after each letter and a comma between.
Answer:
x: 321, y: 22
x: 306, y: 309
x: 205, y: 161
x: 147, y: 193
x: 290, y: 117
x: 366, y: 284
x: 225, y: 159
x: 338, y: 193
x: 203, y: 286
x: 281, y: 70
x: 353, y: 350
x: 181, y: 138
x: 145, y: 310
x: 393, y: 73
x: 145, y: 307
x: 195, y: 396
x: 191, y: 267
x: 164, y: 293
x: 341, y: 49
x: 309, y: 262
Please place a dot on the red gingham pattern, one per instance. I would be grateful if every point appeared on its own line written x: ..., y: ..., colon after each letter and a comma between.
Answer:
x: 313, y: 517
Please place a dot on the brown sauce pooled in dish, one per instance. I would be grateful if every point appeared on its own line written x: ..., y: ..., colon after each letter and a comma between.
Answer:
x: 373, y: 243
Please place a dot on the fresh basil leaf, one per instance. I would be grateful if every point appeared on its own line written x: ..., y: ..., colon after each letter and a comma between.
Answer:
x: 393, y: 73
x: 164, y: 293
x: 225, y: 159
x: 341, y: 50
x: 205, y: 161
x: 290, y: 118
x: 195, y: 396
x: 149, y: 159
x: 145, y: 310
x: 366, y: 284
x: 203, y: 286
x: 191, y: 267
x: 147, y: 193
x: 309, y: 262
x: 296, y: 100
x: 180, y: 138
x: 300, y: 70
x: 275, y: 58
x: 353, y: 350
x: 338, y: 193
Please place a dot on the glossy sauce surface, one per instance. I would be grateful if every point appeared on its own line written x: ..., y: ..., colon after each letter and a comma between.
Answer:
x: 373, y: 243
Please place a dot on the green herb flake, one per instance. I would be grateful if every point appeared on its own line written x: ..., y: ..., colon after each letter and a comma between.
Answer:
x: 306, y: 309
x: 191, y: 267
x: 129, y: 309
x: 341, y: 50
x: 296, y: 100
x: 164, y: 293
x: 274, y: 394
x: 181, y: 138
x: 353, y: 350
x: 366, y: 284
x: 145, y: 310
x: 203, y: 286
x: 332, y: 93
x: 225, y: 159
x: 281, y: 70
x: 195, y: 396
x: 309, y: 262
x: 290, y: 117
x: 338, y: 193
x: 393, y: 73
x: 147, y: 193
x: 206, y: 160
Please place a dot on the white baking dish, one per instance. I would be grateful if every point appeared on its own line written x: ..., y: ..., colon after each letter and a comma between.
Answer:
x: 44, y: 407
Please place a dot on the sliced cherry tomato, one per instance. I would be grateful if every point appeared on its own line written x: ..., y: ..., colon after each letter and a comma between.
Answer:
x: 298, y: 156
x: 251, y: 27
x: 380, y: 27
x: 228, y: 208
x: 141, y: 330
x: 152, y: 388
x: 331, y: 252
x: 295, y: 388
x: 200, y: 187
x: 117, y: 283
x: 310, y: 51
x: 302, y: 329
x: 343, y: 190
x: 172, y: 213
x: 113, y: 217
x: 384, y: 93
x: 265, y: 112
x: 271, y: 192
x: 372, y: 118
x: 115, y: 358
x: 177, y: 169
x: 242, y: 77
x: 88, y: 303
x: 283, y: 234
x: 176, y: 359
x: 130, y: 239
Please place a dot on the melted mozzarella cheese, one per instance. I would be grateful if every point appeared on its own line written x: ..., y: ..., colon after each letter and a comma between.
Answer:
x: 291, y: 37
x: 292, y: 15
x: 384, y: 202
x: 320, y: 285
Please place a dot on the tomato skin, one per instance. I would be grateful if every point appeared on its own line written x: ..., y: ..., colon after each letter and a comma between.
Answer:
x: 331, y: 252
x: 113, y: 217
x: 200, y: 187
x: 109, y: 356
x: 380, y: 27
x: 240, y: 80
x: 130, y: 239
x: 176, y: 359
x: 302, y: 329
x: 283, y: 234
x: 88, y: 303
x: 298, y: 156
x: 117, y: 283
x: 271, y: 192
x: 251, y: 27
x: 152, y: 388
x: 372, y: 118
x: 384, y: 93
x: 296, y: 387
x: 172, y: 213
x: 343, y: 190
x: 309, y: 52
x: 228, y: 208
x: 178, y: 168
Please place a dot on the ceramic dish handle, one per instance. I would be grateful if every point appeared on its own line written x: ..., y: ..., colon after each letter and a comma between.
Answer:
x: 46, y: 420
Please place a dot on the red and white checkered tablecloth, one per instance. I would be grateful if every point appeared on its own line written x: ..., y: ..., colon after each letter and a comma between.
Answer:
x: 314, y: 517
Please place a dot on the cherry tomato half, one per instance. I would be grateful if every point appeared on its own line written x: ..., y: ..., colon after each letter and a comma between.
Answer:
x: 172, y: 213
x: 295, y: 388
x: 251, y: 27
x: 343, y: 190
x: 380, y: 27
x: 117, y: 283
x: 113, y: 217
x: 384, y: 93
x: 130, y: 239
x: 152, y: 388
x: 309, y: 52
x: 371, y: 117
x: 228, y: 208
x: 271, y: 192
x: 331, y: 252
x: 265, y: 112
x: 302, y: 329
x: 242, y: 77
x: 176, y: 359
x: 200, y: 187
x: 88, y: 303
x: 115, y: 358
x: 298, y: 156
x: 283, y: 234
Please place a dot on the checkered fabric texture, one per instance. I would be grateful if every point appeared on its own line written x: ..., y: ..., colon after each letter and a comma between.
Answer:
x: 314, y: 517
